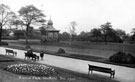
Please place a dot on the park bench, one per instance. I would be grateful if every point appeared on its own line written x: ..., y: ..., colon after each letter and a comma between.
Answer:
x: 9, y: 51
x: 101, y: 69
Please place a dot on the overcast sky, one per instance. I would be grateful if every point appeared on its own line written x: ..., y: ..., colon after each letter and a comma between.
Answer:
x: 87, y: 13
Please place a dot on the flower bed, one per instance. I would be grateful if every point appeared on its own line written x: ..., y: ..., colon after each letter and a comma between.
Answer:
x: 31, y: 69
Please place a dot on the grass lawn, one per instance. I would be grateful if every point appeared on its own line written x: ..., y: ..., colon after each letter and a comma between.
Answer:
x: 86, y: 47
x: 99, y: 52
x: 64, y: 75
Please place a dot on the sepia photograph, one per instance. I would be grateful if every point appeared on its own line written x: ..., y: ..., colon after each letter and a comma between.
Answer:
x: 67, y: 41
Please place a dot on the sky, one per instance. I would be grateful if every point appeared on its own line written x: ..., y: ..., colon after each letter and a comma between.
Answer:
x: 88, y: 14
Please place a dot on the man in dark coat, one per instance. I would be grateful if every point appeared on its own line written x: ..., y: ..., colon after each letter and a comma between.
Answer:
x: 42, y: 55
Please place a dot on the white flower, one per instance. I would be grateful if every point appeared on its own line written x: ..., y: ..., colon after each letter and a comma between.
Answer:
x: 31, y: 69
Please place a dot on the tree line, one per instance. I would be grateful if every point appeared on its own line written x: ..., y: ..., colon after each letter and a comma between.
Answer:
x: 105, y: 33
x: 29, y: 16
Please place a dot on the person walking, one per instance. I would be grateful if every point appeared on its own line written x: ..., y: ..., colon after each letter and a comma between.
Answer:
x: 42, y: 55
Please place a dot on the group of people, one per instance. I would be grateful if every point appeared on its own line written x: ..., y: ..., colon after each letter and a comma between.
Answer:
x: 30, y: 51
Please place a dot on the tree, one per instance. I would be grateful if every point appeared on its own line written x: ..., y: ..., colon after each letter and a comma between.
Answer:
x: 132, y: 36
x: 42, y: 30
x: 133, y: 31
x: 84, y: 36
x: 120, y: 33
x: 6, y: 15
x: 110, y: 35
x: 17, y: 23
x: 30, y: 15
x: 96, y: 33
x: 105, y: 30
x: 64, y: 36
x: 19, y: 34
x: 19, y: 28
x: 72, y: 29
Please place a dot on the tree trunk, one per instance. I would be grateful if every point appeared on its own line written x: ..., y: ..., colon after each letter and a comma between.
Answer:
x: 27, y: 42
x: 0, y: 33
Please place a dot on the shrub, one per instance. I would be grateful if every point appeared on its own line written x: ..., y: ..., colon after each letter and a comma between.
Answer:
x: 60, y: 51
x: 31, y: 69
x: 122, y: 57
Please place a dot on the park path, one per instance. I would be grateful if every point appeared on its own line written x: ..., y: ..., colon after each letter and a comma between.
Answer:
x: 123, y: 74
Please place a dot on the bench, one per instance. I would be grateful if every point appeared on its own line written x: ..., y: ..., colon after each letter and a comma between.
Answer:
x: 33, y: 56
x: 9, y: 51
x: 101, y: 69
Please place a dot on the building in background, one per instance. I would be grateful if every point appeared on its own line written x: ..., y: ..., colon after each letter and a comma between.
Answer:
x: 49, y: 33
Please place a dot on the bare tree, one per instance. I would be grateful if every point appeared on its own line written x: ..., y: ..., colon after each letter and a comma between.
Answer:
x: 6, y: 15
x: 72, y: 29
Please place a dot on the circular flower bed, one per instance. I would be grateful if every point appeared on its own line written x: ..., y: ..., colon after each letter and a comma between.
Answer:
x: 31, y: 69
